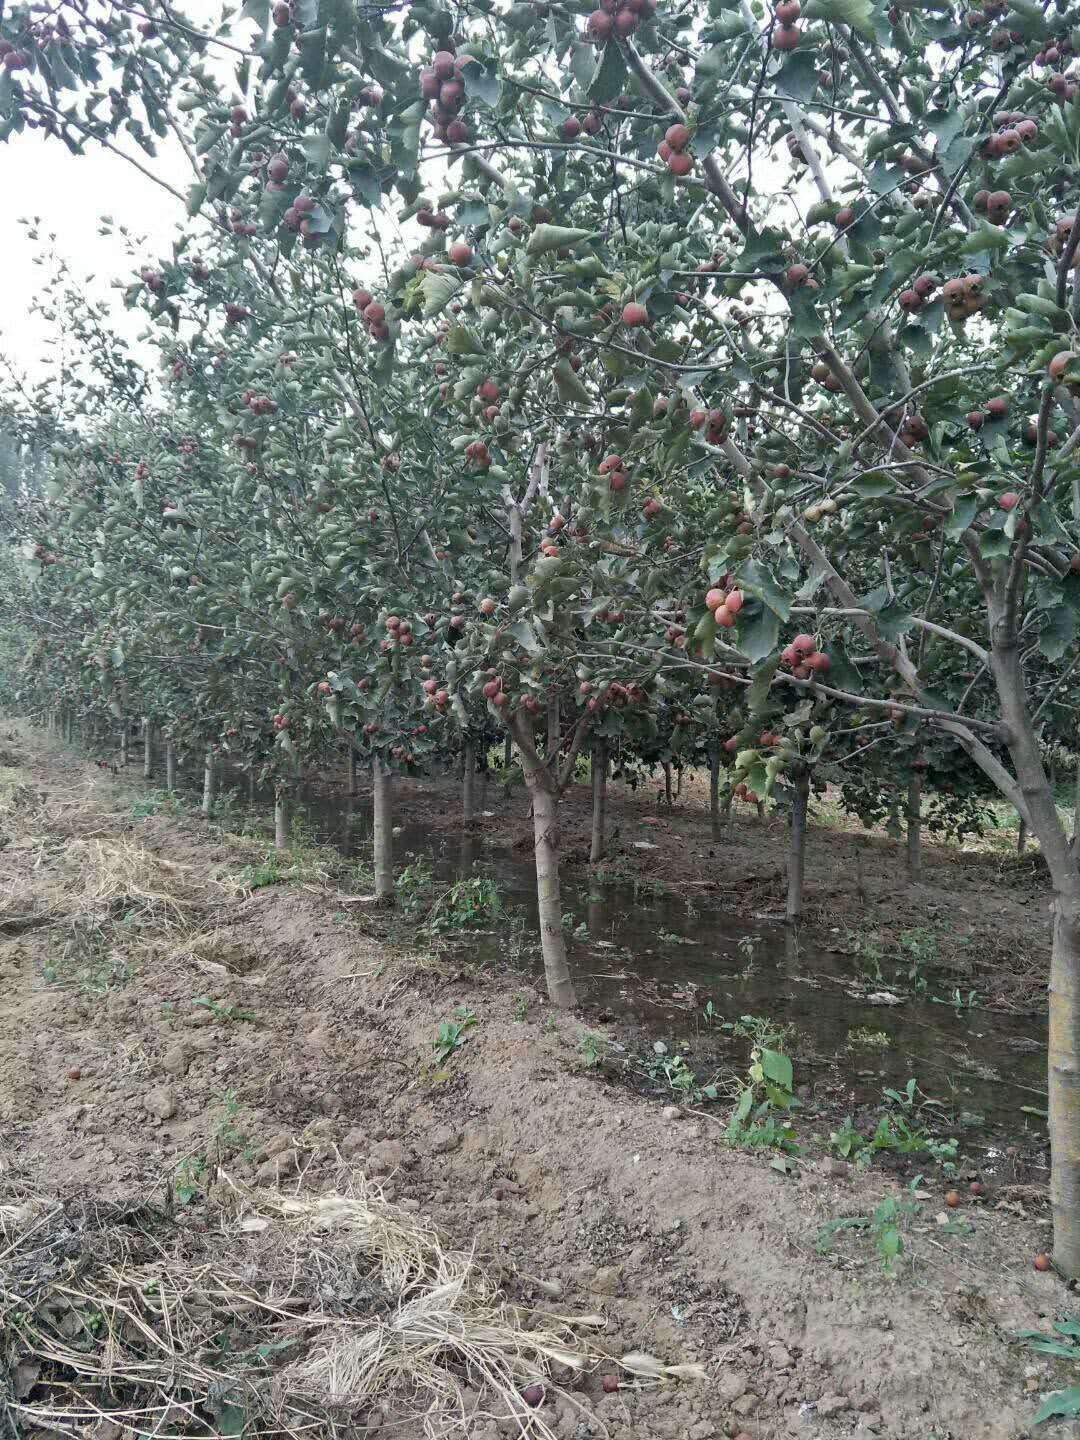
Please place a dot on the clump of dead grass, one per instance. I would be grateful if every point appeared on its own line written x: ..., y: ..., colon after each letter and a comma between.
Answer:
x: 285, y: 1314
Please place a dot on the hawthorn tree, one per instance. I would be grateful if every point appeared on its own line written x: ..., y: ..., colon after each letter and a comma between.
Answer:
x: 750, y: 326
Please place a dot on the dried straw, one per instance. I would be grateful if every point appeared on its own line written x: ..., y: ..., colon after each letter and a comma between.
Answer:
x: 331, y: 1305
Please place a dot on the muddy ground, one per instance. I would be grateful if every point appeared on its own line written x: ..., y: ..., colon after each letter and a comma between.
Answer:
x: 159, y: 1018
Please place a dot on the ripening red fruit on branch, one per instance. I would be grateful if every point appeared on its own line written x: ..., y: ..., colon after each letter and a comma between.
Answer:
x: 362, y: 299
x: 804, y: 644
x: 635, y: 315
x: 487, y: 606
x: 325, y: 688
x: 997, y: 407
x: 786, y: 37
x: 1009, y: 500
x: 677, y: 137
x: 278, y: 167
x: 714, y: 598
x: 488, y: 390
x: 797, y: 275
x: 680, y: 165
x: 571, y: 127
x: 845, y: 217
x: 1060, y: 363
x: 460, y: 253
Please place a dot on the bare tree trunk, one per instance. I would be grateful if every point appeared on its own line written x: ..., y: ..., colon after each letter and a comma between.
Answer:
x: 678, y: 782
x: 123, y: 745
x: 281, y: 820
x: 1064, y: 1044
x: 148, y: 748
x: 1076, y: 812
x: 170, y: 766
x: 714, y: 792
x: 209, y: 784
x: 599, y: 800
x: 350, y: 788
x: 553, y: 724
x: 508, y: 752
x: 914, y: 826
x: 1021, y: 837
x: 667, y: 784
x: 468, y: 781
x: 545, y: 800
x: 251, y: 787
x: 797, y: 851
x: 383, y: 828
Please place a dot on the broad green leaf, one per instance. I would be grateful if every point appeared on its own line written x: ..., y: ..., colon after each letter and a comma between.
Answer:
x: 798, y: 77
x: 554, y: 237
x: 776, y: 1066
x: 1058, y: 632
x: 759, y: 630
x: 758, y: 580
x: 461, y: 341
x: 609, y: 77
x: 1064, y: 1402
x: 859, y: 14
x: 437, y: 290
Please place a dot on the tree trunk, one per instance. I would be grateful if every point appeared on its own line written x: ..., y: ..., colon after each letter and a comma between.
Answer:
x: 797, y: 852
x: 599, y: 800
x: 383, y: 828
x: 351, y: 786
x: 281, y: 821
x: 170, y: 766
x: 714, y: 792
x: 508, y: 752
x: 209, y: 784
x: 148, y: 749
x: 678, y: 782
x: 1076, y: 812
x: 1021, y: 837
x: 251, y: 787
x: 667, y: 784
x: 1063, y: 1069
x: 553, y: 724
x: 468, y: 782
x: 124, y: 746
x: 914, y: 826
x: 543, y: 792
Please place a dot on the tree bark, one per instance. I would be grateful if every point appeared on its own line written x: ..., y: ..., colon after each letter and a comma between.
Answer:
x: 148, y: 748
x: 1064, y: 1043
x: 599, y: 800
x: 914, y: 826
x: 383, y: 828
x: 797, y: 851
x: 251, y: 787
x: 543, y: 790
x: 468, y: 782
x: 209, y: 784
x: 281, y: 821
x: 553, y: 724
x: 1076, y: 812
x: 508, y: 752
x: 1022, y: 837
x: 170, y: 766
x: 668, y: 800
x: 714, y: 792
x: 350, y: 788
x: 123, y: 745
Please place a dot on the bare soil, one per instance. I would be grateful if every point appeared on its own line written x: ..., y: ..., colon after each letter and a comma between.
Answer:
x: 117, y: 1077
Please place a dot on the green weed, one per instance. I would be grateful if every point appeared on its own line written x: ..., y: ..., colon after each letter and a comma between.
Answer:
x: 452, y: 1034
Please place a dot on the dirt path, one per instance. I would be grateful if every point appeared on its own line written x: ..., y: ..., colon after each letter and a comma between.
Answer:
x: 156, y: 1021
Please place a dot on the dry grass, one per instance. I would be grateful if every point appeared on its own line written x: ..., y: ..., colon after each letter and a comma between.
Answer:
x: 285, y: 1315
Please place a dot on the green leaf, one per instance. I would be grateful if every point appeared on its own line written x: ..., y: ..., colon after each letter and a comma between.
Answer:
x: 313, y: 57
x: 570, y: 388
x: 554, y: 237
x: 525, y: 635
x: 874, y: 485
x: 761, y: 684
x: 257, y: 10
x: 316, y: 150
x: 437, y: 290
x: 985, y: 237
x: 609, y: 77
x: 195, y: 197
x: 759, y: 630
x: 964, y: 510
x: 461, y: 341
x: 758, y: 580
x: 1065, y: 1402
x: 857, y: 13
x: 1058, y: 633
x: 798, y: 76
x: 804, y: 313
x: 776, y: 1066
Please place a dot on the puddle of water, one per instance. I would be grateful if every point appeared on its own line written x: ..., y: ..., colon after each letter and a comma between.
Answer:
x: 657, y: 960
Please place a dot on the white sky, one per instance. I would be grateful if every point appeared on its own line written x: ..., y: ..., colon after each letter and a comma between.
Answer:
x: 71, y: 193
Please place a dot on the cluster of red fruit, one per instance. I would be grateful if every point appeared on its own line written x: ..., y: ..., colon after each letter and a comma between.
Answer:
x: 439, y: 696
x: 714, y: 423
x: 234, y: 314
x: 12, y: 59
x: 277, y: 167
x: 374, y: 314
x: 260, y: 404
x: 478, y: 454
x: 803, y: 658
x: 179, y: 369
x: 399, y: 632
x: 614, y: 467
x: 672, y: 150
x: 281, y: 722
x: 442, y: 83
x: 742, y: 791
x: 964, y: 295
x: 239, y: 226
x: 153, y: 279
x: 1013, y: 130
x: 142, y: 471
x: 488, y: 391
x: 787, y: 34
x: 996, y: 205
x: 725, y: 606
x: 996, y: 409
x: 189, y: 445
x: 432, y: 220
x: 618, y: 17
x: 914, y: 429
x: 297, y: 217
x: 914, y: 299
x: 493, y: 690
x: 45, y: 556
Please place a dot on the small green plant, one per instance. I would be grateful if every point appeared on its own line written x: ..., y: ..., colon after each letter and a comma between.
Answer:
x: 869, y: 952
x: 748, y: 950
x: 1063, y: 1341
x: 467, y: 905
x: 521, y: 1008
x: 921, y: 947
x: 762, y: 1031
x: 669, y: 937
x: 189, y: 1181
x: 760, y: 1113
x: 885, y: 1226
x: 673, y: 1071
x: 414, y: 884
x: 223, y: 1014
x: 591, y: 1048
x: 267, y: 872
x: 452, y: 1034
x: 863, y: 1038
x: 710, y: 1015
